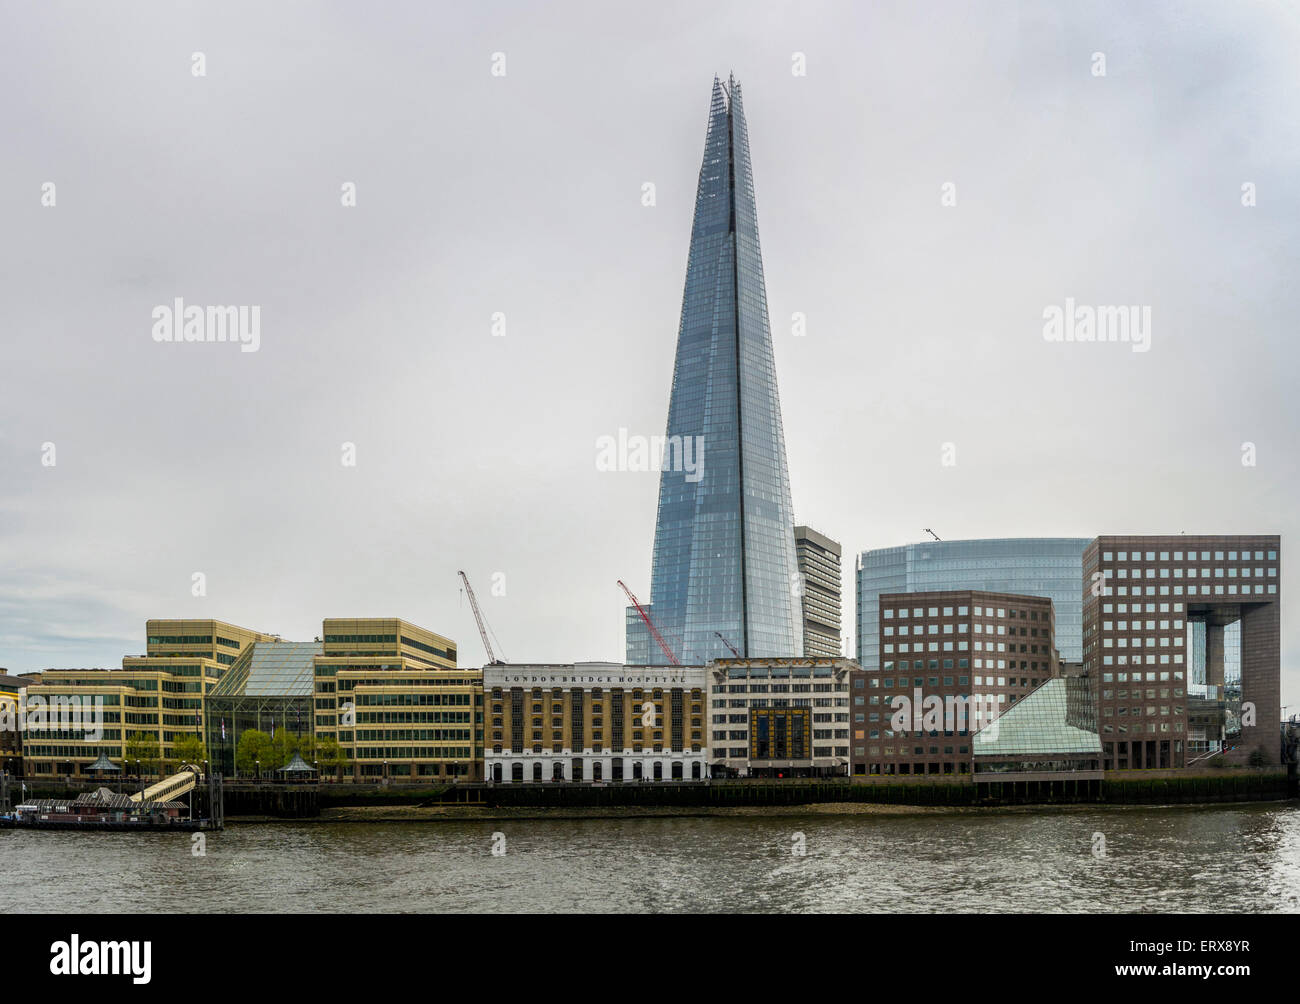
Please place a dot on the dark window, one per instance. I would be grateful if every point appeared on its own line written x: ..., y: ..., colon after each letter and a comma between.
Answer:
x: 517, y: 722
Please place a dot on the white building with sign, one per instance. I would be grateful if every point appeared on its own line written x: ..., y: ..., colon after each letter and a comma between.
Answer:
x: 595, y: 722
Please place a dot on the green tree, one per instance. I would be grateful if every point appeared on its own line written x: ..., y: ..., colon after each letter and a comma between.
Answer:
x: 189, y: 749
x: 1257, y: 757
x: 331, y: 756
x: 283, y: 747
x: 254, y: 745
x: 143, y: 746
x: 307, y: 746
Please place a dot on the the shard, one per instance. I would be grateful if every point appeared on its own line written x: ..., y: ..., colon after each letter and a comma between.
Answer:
x: 724, y: 553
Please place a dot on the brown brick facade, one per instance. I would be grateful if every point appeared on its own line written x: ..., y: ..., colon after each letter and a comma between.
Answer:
x: 1141, y: 595
x: 957, y: 646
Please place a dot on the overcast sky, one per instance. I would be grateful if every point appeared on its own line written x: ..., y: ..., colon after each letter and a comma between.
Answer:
x: 522, y: 194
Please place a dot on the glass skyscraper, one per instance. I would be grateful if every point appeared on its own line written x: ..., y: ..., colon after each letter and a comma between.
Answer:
x: 1030, y: 566
x: 724, y: 554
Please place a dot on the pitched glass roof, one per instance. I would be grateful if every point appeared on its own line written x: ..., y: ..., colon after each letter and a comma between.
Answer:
x: 298, y: 766
x: 104, y: 763
x: 1039, y: 723
x: 271, y: 669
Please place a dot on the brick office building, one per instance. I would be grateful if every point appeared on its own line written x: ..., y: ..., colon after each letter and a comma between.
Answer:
x: 967, y: 652
x: 1177, y: 622
x: 594, y: 721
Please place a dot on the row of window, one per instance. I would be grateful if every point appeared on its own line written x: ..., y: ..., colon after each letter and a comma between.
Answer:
x: 1177, y: 573
x: 905, y: 647
x: 1191, y: 556
x: 1001, y: 612
x: 1232, y: 590
x: 412, y: 753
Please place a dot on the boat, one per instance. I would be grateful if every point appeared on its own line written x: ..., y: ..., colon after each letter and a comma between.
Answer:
x: 103, y: 809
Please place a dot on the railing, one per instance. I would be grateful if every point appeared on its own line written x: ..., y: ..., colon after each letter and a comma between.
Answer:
x: 169, y: 788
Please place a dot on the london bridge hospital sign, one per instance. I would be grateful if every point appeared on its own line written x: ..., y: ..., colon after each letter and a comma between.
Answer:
x: 632, y: 679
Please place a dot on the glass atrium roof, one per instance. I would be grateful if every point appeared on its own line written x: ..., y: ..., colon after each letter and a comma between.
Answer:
x: 1038, y: 723
x: 271, y: 669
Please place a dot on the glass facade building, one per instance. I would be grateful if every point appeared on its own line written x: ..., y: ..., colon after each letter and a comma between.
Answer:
x: 269, y: 687
x: 724, y: 552
x: 1027, y: 566
x: 1052, y: 729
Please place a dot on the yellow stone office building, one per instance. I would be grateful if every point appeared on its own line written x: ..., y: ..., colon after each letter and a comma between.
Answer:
x: 74, y: 715
x: 595, y: 721
x: 389, y: 691
x: 11, y: 739
x: 391, y: 694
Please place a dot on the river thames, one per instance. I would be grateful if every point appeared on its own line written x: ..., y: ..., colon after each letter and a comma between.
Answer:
x: 1221, y: 859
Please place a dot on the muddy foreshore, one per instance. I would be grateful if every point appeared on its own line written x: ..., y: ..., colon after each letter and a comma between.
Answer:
x: 472, y: 813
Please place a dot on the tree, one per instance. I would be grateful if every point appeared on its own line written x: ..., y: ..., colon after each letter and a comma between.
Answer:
x: 283, y: 747
x: 307, y: 747
x: 254, y: 746
x: 1257, y: 757
x: 331, y: 755
x: 189, y: 749
x: 143, y: 747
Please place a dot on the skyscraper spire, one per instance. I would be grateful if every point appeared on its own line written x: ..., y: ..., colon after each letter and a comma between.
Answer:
x: 724, y: 554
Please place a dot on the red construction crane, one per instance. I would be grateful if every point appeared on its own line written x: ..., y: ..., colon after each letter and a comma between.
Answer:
x: 728, y: 644
x: 482, y: 625
x: 654, y: 631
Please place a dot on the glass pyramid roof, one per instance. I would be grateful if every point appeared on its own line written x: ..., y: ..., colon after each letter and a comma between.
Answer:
x: 1040, y: 723
x: 271, y: 669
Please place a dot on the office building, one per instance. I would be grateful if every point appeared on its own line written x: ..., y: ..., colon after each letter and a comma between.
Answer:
x: 159, y: 696
x: 819, y: 573
x: 1045, y: 745
x: 779, y: 717
x: 391, y: 695
x: 1026, y: 566
x: 1182, y: 642
x: 268, y: 689
x: 595, y: 721
x: 724, y: 557
x: 949, y: 662
x: 203, y: 684
x: 11, y: 736
x: 378, y: 640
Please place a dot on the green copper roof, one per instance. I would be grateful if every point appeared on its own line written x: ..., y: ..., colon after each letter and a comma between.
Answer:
x: 271, y: 669
x: 1040, y: 723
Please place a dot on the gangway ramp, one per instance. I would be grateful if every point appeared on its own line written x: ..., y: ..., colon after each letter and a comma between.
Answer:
x: 169, y: 789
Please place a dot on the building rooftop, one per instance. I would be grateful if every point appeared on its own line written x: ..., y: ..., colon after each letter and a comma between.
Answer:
x: 271, y: 669
x: 1040, y: 723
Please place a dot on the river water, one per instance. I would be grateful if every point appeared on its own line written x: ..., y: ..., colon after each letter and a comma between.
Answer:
x: 1229, y: 859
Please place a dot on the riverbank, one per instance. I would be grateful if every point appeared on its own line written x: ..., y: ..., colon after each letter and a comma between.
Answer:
x: 486, y: 814
x: 917, y: 796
